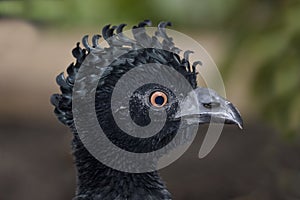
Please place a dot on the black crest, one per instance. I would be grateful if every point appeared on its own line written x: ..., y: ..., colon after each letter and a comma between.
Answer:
x: 117, y: 41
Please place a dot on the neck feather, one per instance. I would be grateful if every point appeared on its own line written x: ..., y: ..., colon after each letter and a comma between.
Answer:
x: 97, y: 181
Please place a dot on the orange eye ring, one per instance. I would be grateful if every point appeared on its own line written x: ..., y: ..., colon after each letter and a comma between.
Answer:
x: 158, y: 99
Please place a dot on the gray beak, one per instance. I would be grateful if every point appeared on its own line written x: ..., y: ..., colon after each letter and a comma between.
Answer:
x: 204, y: 105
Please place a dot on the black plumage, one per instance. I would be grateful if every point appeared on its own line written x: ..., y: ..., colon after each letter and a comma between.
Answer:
x: 94, y: 179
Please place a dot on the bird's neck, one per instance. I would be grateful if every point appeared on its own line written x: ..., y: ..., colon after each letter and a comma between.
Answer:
x: 97, y: 181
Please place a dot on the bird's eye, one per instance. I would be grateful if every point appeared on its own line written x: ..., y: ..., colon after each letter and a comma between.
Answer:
x: 211, y: 105
x: 158, y: 99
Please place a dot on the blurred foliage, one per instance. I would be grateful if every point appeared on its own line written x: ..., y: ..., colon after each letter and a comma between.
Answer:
x: 187, y: 13
x: 265, y: 32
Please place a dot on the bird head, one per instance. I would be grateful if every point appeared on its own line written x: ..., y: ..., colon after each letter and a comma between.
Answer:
x: 164, y: 105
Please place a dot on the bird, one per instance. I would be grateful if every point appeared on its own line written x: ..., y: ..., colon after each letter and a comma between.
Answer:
x: 95, y: 179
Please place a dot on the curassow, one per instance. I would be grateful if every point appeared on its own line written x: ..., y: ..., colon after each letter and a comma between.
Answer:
x: 96, y: 180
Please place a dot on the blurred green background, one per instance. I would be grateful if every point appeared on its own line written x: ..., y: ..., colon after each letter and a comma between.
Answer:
x: 255, y: 44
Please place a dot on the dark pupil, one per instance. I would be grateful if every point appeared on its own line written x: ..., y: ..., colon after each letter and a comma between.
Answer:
x: 159, y: 100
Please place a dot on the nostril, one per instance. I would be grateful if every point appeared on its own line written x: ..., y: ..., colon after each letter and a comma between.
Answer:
x: 211, y: 105
x: 207, y: 105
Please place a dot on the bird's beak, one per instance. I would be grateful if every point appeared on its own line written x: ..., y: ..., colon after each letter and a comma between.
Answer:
x: 204, y: 105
